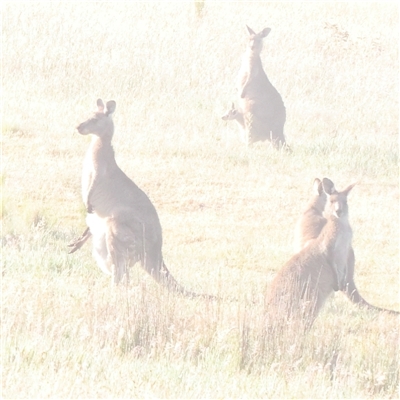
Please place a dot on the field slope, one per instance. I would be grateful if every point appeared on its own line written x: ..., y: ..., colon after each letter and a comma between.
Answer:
x: 228, y: 212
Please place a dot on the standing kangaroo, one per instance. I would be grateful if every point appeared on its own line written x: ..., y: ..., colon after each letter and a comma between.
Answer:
x: 303, y: 284
x: 121, y: 218
x: 309, y: 227
x: 262, y: 105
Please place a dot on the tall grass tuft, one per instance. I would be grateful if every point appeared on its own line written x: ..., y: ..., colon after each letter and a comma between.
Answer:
x: 228, y: 212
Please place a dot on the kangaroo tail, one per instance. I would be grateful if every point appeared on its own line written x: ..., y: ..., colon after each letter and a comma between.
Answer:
x: 165, y: 278
x: 355, y: 297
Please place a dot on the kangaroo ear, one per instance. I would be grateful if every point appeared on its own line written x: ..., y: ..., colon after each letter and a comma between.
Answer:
x: 110, y: 107
x: 233, y: 106
x: 100, y: 105
x: 265, y: 32
x: 250, y: 30
x: 348, y: 189
x: 328, y: 186
x: 317, y: 187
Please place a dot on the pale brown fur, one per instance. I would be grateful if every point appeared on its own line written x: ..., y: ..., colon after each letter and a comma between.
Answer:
x: 236, y: 114
x: 309, y: 227
x: 121, y: 218
x: 303, y: 284
x: 312, y: 221
x: 262, y: 105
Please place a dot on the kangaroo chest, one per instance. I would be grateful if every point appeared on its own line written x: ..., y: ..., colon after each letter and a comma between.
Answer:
x: 251, y: 68
x: 99, y: 165
x: 338, y: 243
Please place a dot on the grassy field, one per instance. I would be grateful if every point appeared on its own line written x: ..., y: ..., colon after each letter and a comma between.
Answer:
x: 228, y: 212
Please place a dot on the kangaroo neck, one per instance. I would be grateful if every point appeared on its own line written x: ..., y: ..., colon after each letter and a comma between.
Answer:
x: 101, y: 155
x: 252, y: 61
x: 336, y: 229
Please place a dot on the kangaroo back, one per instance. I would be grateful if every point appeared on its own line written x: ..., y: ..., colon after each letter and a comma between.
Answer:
x: 310, y: 224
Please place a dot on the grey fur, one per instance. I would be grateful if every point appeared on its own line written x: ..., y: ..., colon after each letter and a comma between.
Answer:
x: 121, y: 218
x: 303, y: 284
x: 308, y: 228
x: 262, y: 105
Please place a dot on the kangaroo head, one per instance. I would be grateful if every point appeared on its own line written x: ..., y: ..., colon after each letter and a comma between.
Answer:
x: 319, y: 200
x: 256, y: 39
x: 337, y: 201
x: 101, y: 124
x: 231, y: 114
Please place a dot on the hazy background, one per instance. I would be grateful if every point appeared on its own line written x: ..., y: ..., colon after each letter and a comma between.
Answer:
x: 228, y: 212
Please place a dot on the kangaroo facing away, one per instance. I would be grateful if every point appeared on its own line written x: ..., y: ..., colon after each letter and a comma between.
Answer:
x: 121, y: 219
x: 312, y: 221
x: 309, y: 227
x: 303, y: 284
x: 263, y: 109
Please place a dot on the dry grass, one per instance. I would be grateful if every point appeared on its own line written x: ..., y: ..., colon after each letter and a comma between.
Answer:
x: 228, y: 213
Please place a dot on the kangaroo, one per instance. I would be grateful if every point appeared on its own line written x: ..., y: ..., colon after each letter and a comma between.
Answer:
x: 312, y: 221
x: 234, y: 114
x: 237, y: 115
x: 304, y: 283
x: 309, y: 227
x: 121, y: 218
x: 262, y: 105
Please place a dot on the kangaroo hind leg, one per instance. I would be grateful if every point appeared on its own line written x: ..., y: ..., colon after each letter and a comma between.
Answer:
x: 120, y: 243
